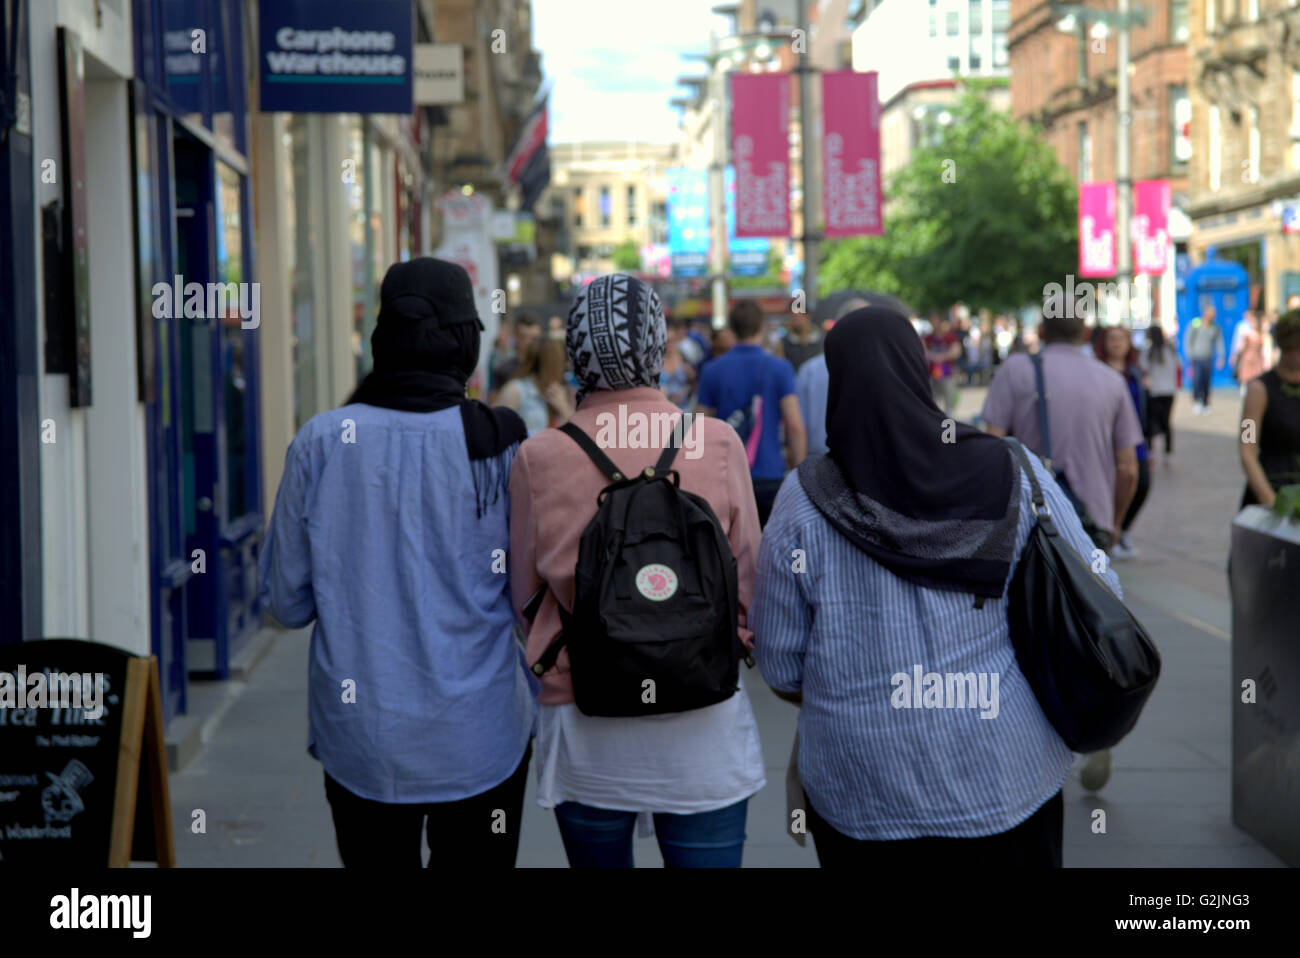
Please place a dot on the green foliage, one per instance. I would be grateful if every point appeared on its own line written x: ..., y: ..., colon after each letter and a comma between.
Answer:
x: 627, y: 257
x: 1287, y: 503
x: 985, y: 215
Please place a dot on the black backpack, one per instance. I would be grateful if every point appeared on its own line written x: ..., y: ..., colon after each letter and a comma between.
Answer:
x: 655, y: 598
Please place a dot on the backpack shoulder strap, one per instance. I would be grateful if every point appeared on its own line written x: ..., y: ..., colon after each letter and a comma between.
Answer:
x: 1041, y: 509
x: 593, y: 451
x: 1044, y: 428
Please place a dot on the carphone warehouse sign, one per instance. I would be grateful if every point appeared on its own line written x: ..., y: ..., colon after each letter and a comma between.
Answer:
x: 336, y: 56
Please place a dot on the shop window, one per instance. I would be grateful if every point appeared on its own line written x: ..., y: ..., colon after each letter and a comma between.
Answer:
x: 1180, y: 114
x: 1001, y: 15
x: 1215, y: 149
x: 1295, y: 119
x: 301, y: 224
x: 234, y: 370
x: 1085, y: 152
x: 1178, y: 29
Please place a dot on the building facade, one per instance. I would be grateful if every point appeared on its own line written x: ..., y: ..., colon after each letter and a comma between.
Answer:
x: 1245, y: 171
x: 605, y: 195
x: 1063, y: 78
x: 148, y: 423
x: 914, y: 41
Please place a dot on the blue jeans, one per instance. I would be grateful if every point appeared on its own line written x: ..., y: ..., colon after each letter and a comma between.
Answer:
x: 1202, y: 372
x: 602, y: 838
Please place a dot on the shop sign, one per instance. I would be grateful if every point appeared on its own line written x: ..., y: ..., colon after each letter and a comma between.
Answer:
x: 336, y: 56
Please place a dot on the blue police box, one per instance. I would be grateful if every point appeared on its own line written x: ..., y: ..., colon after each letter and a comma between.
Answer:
x: 1223, y: 284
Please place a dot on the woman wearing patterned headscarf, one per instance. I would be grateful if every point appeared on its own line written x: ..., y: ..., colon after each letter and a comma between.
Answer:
x: 689, y: 774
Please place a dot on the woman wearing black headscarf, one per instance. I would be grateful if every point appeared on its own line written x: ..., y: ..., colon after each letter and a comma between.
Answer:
x: 880, y: 605
x: 390, y: 531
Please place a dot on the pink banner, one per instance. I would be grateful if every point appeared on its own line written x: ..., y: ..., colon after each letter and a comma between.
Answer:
x: 1097, y: 229
x: 760, y: 150
x: 1151, y: 226
x: 851, y: 154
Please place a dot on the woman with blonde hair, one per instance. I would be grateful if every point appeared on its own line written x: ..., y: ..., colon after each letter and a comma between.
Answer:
x: 538, y: 392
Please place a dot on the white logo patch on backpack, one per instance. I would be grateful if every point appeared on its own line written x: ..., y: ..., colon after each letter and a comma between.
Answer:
x: 656, y: 582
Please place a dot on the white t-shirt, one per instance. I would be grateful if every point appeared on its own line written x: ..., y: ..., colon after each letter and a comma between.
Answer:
x: 1163, y: 376
x: 681, y: 763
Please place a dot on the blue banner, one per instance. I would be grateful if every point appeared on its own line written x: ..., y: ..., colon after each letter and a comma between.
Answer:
x: 336, y: 56
x: 688, y: 222
x: 748, y: 257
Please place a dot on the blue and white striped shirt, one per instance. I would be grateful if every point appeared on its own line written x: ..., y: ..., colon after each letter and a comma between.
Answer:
x: 845, y: 629
x: 417, y: 689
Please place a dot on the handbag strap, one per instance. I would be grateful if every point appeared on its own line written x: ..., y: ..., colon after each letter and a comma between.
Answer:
x: 1044, y: 428
x: 1041, y: 509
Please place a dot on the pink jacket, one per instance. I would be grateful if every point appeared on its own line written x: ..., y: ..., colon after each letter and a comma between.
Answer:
x: 553, y: 489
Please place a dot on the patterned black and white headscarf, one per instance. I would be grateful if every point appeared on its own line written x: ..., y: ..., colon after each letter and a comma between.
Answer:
x: 616, y: 335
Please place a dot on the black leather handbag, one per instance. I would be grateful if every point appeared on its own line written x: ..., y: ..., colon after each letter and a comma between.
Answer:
x: 1089, y: 661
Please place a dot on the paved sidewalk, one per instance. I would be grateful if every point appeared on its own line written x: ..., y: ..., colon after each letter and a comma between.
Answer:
x: 1167, y: 804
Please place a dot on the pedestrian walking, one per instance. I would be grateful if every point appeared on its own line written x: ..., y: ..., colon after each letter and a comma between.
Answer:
x: 510, y: 347
x: 389, y: 517
x: 1074, y: 412
x: 1247, y: 358
x: 943, y: 350
x: 1205, y: 350
x: 802, y: 340
x: 1161, y: 365
x: 1115, y: 349
x: 1270, y: 453
x: 911, y: 530
x: 538, y: 391
x: 811, y: 384
x: 755, y: 393
x: 687, y: 776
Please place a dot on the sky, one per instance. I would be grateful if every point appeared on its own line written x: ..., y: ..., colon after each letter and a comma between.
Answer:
x: 614, y: 64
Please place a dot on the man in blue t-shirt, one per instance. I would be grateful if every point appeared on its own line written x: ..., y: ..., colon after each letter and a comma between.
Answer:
x: 728, y: 386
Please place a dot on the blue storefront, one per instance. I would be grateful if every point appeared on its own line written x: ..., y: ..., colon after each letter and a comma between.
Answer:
x: 194, y: 226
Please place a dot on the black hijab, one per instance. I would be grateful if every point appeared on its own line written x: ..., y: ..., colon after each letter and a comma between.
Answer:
x: 935, y: 501
x: 425, y: 347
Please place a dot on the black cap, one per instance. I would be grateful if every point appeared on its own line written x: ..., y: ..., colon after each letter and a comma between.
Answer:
x: 428, y: 288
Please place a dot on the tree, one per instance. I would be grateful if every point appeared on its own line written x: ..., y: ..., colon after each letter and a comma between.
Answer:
x: 985, y: 214
x: 627, y: 256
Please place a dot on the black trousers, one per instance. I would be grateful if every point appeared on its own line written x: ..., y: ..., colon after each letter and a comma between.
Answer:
x: 765, y: 491
x: 479, y: 832
x: 1158, y: 410
x: 1139, y: 494
x: 1034, y: 843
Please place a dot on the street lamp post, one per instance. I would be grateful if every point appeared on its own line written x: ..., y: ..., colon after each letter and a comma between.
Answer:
x: 717, y: 197
x: 1123, y: 178
x: 808, y: 212
x: 1120, y: 20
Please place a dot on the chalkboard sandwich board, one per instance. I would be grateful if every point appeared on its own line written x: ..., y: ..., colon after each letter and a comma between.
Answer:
x: 83, y: 768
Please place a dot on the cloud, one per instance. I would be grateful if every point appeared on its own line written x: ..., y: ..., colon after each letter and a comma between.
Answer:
x: 615, y: 64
